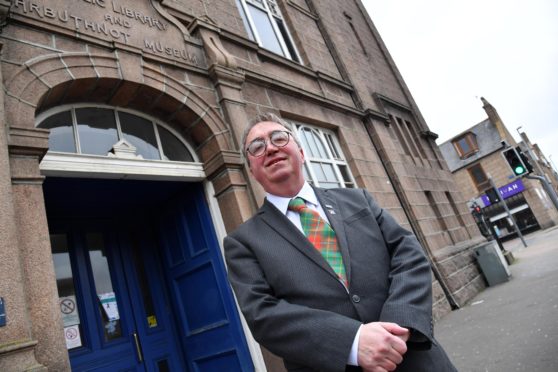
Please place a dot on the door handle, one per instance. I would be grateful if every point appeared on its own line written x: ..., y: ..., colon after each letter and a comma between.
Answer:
x: 138, y: 347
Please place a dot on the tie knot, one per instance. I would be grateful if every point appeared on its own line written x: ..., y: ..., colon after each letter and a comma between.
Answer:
x: 297, y: 204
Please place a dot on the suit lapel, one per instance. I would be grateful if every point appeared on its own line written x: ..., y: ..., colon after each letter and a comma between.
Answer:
x: 281, y: 224
x: 333, y: 212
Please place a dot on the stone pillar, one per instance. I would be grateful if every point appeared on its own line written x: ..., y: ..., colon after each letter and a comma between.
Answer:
x: 226, y: 170
x: 18, y: 343
x: 26, y: 148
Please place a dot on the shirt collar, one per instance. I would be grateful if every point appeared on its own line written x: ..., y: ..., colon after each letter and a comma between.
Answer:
x: 306, y: 192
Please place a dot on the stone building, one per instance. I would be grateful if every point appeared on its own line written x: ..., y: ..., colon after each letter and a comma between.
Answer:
x: 476, y: 155
x: 121, y: 170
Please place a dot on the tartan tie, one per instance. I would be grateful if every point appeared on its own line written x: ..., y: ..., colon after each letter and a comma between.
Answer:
x: 321, y: 235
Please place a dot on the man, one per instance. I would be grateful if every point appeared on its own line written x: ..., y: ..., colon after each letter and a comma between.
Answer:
x: 369, y: 307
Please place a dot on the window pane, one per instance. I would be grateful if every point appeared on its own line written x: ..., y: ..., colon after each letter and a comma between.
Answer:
x: 329, y: 172
x: 307, y: 174
x: 148, y: 307
x: 478, y: 174
x: 108, y: 306
x: 313, y: 144
x: 139, y: 132
x: 66, y: 290
x: 244, y: 20
x: 332, y: 146
x: 345, y: 174
x: 265, y: 30
x: 286, y: 39
x: 325, y: 175
x: 97, y: 130
x: 173, y: 149
x: 464, y: 145
x: 61, y: 137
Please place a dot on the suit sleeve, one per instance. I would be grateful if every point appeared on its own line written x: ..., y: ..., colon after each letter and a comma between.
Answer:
x: 409, y: 302
x: 311, y: 337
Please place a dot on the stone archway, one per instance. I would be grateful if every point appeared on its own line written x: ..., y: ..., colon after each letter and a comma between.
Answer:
x: 118, y: 79
x: 121, y: 80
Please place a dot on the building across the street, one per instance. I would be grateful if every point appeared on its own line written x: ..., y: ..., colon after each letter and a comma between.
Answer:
x: 121, y: 169
x: 483, y: 152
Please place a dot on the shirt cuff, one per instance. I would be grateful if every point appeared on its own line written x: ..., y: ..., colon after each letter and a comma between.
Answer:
x: 353, y: 355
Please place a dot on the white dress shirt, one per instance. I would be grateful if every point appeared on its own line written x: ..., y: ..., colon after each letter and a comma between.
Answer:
x: 307, y: 193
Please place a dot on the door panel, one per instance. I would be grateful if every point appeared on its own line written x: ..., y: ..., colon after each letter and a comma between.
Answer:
x: 106, y: 342
x: 151, y: 307
x: 195, y: 271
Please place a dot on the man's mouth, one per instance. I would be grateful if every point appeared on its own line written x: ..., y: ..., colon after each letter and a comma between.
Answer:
x: 274, y: 161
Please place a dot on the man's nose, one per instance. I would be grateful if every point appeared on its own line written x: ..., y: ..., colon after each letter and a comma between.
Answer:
x: 271, y: 148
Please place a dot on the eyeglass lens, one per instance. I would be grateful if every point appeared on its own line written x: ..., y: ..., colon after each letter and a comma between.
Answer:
x: 278, y: 138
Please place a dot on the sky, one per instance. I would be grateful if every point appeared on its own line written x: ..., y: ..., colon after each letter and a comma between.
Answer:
x: 450, y: 53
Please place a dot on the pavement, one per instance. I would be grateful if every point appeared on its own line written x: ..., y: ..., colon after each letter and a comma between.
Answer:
x: 512, y: 326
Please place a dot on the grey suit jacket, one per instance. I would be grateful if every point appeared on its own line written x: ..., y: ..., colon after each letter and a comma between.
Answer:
x: 297, y: 308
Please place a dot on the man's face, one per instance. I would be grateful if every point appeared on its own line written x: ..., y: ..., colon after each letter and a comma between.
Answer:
x: 279, y: 169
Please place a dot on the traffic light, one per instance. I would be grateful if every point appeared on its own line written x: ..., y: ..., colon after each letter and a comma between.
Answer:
x: 493, y: 196
x: 476, y: 211
x: 514, y: 160
x: 525, y: 160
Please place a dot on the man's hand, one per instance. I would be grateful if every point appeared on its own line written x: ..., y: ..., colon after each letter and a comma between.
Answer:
x: 381, y: 346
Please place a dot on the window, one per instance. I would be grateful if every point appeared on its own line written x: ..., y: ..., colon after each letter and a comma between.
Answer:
x: 101, y: 130
x: 325, y: 164
x: 479, y: 177
x: 466, y: 145
x: 264, y: 24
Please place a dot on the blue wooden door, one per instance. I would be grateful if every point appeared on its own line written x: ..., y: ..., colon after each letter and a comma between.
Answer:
x: 211, y: 334
x: 158, y: 261
x: 125, y: 317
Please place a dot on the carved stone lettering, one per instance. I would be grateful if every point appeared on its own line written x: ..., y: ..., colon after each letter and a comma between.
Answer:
x: 131, y: 22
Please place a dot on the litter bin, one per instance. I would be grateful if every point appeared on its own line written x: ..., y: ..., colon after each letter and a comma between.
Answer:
x: 492, y: 263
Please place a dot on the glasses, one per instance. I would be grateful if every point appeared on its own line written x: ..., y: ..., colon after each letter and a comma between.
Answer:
x: 278, y: 138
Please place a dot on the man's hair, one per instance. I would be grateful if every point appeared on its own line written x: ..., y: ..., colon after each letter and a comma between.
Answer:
x: 266, y: 116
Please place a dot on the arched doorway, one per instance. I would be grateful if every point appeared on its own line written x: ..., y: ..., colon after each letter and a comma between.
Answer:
x: 140, y: 276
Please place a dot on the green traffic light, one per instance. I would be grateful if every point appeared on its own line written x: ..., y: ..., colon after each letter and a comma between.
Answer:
x: 519, y: 170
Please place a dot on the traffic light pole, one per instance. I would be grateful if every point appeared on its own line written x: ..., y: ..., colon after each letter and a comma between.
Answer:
x: 510, y: 216
x: 547, y: 187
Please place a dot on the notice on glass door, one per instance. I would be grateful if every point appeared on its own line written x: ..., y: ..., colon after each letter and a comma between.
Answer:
x: 73, y: 338
x: 108, y: 301
x: 68, y: 309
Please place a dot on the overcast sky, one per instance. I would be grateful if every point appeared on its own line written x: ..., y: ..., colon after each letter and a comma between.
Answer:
x: 451, y: 53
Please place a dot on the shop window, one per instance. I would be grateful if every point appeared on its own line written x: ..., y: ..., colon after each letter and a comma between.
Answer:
x: 101, y: 130
x: 466, y: 145
x: 264, y: 24
x: 479, y: 177
x: 325, y: 164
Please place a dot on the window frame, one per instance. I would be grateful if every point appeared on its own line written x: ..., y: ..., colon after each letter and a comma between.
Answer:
x: 253, y: 32
x: 481, y: 186
x: 120, y: 134
x: 471, y: 140
x: 76, y: 164
x: 335, y: 156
